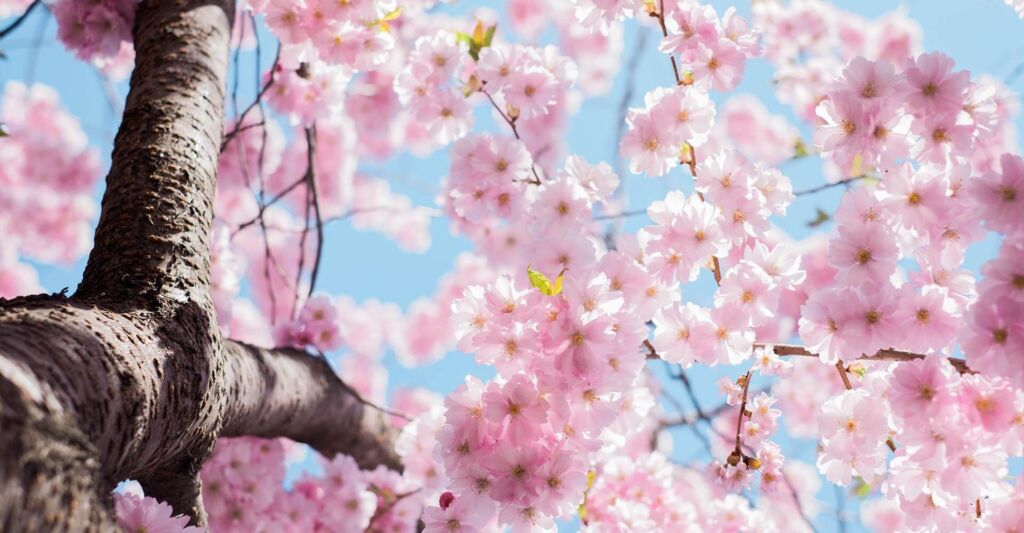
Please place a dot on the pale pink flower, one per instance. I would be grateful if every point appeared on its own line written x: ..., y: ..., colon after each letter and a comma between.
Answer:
x: 864, y: 253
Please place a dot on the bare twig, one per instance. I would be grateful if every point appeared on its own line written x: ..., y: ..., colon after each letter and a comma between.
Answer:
x: 311, y: 144
x: 826, y: 186
x: 843, y: 375
x: 882, y: 355
x: 664, y: 32
x: 240, y: 120
x: 21, y: 18
x: 743, y: 411
x: 263, y: 207
x: 515, y: 131
x: 624, y: 214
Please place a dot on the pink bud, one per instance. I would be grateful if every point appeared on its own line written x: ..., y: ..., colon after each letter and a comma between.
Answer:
x: 446, y: 499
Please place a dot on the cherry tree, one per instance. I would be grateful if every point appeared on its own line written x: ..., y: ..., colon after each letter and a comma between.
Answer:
x: 199, y: 359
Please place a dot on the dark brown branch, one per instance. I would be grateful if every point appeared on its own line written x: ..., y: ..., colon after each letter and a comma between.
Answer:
x: 258, y: 101
x: 660, y: 15
x: 290, y: 393
x: 511, y: 121
x: 21, y: 18
x: 131, y: 378
x: 315, y: 200
x: 826, y: 186
x: 152, y: 243
x: 743, y: 412
x: 882, y: 355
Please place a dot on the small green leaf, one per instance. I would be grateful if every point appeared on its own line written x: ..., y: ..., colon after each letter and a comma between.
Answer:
x: 3, y: 130
x: 861, y: 489
x: 540, y: 281
x: 543, y: 284
x: 558, y: 281
x: 478, y: 32
x: 800, y: 149
x: 489, y: 36
x: 481, y: 38
x: 820, y: 218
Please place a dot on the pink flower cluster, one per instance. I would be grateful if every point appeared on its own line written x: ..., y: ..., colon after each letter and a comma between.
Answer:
x: 243, y: 489
x: 650, y: 494
x: 994, y: 336
x: 952, y: 437
x: 316, y: 326
x: 16, y: 278
x: 350, y: 33
x: 532, y: 87
x: 654, y: 142
x: 712, y: 50
x: 427, y: 86
x: 809, y: 42
x: 98, y: 31
x: 756, y: 453
x: 307, y: 91
x: 10, y: 8
x: 138, y: 512
x: 594, y: 49
x: 758, y: 135
x: 568, y: 368
x: 46, y: 211
x: 876, y: 116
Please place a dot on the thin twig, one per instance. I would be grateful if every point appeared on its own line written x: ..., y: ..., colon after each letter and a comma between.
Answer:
x: 311, y: 144
x: 624, y: 214
x: 796, y: 501
x: 37, y: 46
x: 627, y: 96
x: 17, y: 22
x: 843, y: 375
x: 256, y: 102
x: 515, y: 131
x: 743, y: 410
x: 840, y: 508
x: 664, y: 33
x: 263, y: 207
x: 826, y: 186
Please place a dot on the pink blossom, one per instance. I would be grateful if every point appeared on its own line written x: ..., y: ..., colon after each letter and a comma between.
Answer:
x: 142, y: 513
x: 865, y: 253
x: 932, y: 88
x: 517, y: 407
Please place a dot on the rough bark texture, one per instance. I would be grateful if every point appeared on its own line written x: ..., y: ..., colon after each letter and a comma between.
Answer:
x: 130, y: 377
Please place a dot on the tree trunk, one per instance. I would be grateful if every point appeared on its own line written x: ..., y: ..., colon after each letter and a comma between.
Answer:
x: 130, y: 377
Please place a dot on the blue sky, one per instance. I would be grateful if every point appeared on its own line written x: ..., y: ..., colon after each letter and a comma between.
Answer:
x: 983, y: 36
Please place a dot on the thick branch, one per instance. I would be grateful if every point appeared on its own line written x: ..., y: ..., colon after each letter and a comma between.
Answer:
x: 153, y: 234
x: 289, y: 393
x: 90, y: 396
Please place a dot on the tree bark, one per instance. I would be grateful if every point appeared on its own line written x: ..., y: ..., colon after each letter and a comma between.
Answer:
x: 130, y: 377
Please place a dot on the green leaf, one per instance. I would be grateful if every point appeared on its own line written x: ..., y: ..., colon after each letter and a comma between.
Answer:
x: 480, y: 39
x: 489, y: 36
x: 820, y: 218
x: 861, y: 489
x: 540, y: 281
x: 800, y: 149
x: 382, y: 23
x: 543, y: 284
x: 3, y: 130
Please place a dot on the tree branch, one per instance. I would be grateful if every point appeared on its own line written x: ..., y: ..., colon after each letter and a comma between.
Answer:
x: 882, y: 355
x: 90, y: 396
x: 130, y: 378
x: 290, y: 393
x: 152, y: 242
x: 21, y: 18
